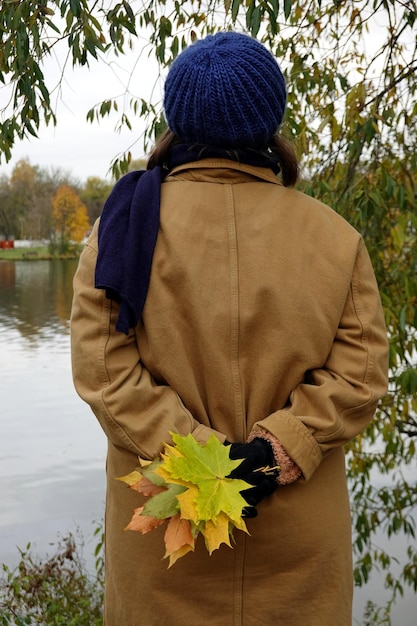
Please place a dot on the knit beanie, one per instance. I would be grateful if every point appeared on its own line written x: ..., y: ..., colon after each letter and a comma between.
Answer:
x: 225, y: 90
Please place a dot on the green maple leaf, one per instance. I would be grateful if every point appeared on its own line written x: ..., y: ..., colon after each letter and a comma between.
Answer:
x: 164, y: 504
x: 149, y: 472
x: 208, y: 468
x: 198, y: 496
x: 199, y: 462
x: 220, y: 495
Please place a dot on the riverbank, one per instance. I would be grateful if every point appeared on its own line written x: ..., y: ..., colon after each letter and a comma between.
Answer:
x: 41, y: 253
x: 55, y: 587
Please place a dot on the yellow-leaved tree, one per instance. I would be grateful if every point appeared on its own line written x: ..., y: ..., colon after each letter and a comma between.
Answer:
x: 69, y: 219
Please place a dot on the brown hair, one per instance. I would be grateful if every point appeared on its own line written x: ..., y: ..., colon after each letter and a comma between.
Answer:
x: 279, y: 149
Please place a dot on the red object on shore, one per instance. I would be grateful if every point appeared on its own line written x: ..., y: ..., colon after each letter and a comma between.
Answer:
x: 7, y: 243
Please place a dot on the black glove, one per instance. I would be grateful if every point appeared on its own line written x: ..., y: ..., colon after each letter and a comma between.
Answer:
x: 262, y: 486
x: 256, y: 455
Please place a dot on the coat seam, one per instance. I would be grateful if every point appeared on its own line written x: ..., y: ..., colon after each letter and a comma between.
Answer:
x: 234, y: 311
x: 236, y: 379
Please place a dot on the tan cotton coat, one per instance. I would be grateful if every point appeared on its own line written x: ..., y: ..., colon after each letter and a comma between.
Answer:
x: 262, y: 311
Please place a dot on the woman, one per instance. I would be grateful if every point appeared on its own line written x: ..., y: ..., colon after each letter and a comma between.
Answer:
x: 215, y: 298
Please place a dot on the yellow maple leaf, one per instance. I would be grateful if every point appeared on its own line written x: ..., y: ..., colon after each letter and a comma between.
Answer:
x: 163, y: 473
x: 172, y: 450
x: 240, y: 525
x: 144, y: 462
x: 130, y: 479
x: 137, y: 481
x: 187, y: 504
x: 216, y: 533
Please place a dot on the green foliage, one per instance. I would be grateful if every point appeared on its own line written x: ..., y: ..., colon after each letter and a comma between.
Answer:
x: 377, y: 616
x: 94, y: 194
x: 55, y: 591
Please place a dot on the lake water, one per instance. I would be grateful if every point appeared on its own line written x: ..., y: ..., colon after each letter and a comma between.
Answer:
x: 52, y: 451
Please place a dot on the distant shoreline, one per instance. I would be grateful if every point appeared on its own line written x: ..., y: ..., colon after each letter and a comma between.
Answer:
x: 41, y: 253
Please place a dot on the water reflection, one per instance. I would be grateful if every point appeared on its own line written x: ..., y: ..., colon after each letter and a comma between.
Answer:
x: 51, y: 448
x: 35, y: 297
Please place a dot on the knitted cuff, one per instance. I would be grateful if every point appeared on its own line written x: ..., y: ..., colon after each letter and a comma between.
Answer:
x: 289, y: 471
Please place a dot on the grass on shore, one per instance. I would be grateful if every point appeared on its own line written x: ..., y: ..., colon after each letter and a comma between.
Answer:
x: 42, y: 253
x: 24, y: 254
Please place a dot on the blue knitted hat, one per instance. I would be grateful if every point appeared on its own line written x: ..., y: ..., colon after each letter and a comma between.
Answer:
x: 226, y: 90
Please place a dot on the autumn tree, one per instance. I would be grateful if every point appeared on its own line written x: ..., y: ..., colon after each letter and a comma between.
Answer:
x: 26, y: 203
x: 19, y: 199
x: 26, y: 200
x: 94, y: 194
x: 47, y: 182
x: 69, y: 219
x: 351, y: 70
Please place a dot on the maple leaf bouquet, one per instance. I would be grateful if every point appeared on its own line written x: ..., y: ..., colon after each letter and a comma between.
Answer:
x: 189, y: 488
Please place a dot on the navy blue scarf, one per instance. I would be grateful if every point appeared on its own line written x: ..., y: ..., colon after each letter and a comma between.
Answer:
x: 129, y: 227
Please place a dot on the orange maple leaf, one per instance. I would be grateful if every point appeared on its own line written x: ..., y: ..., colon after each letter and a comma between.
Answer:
x: 178, y: 538
x: 143, y: 523
x: 145, y: 487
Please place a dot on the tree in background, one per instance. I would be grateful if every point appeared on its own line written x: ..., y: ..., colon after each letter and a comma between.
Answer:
x: 20, y: 198
x: 69, y: 219
x: 25, y: 203
x: 26, y: 200
x: 6, y: 211
x: 94, y: 194
x: 351, y: 70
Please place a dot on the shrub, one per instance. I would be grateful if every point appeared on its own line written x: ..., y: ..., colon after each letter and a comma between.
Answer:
x: 54, y: 591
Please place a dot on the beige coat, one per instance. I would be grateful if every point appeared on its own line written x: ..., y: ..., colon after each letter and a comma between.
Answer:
x: 262, y: 310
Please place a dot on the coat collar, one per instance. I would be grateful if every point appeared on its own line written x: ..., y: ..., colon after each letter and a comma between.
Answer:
x: 217, y: 170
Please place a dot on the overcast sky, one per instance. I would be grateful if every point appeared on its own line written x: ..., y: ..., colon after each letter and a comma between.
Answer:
x: 84, y: 149
x: 75, y: 145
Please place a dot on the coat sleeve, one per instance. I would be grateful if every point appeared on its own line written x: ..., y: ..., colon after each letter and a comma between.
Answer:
x: 333, y: 404
x: 135, y: 412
